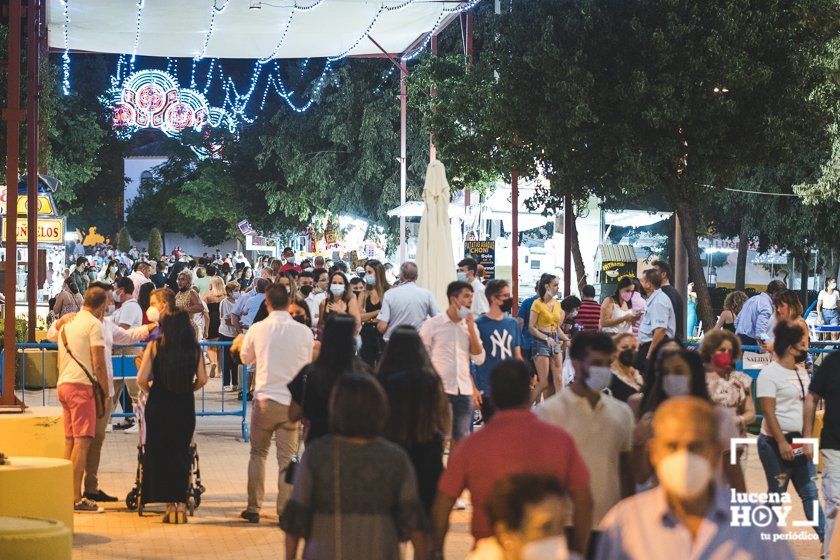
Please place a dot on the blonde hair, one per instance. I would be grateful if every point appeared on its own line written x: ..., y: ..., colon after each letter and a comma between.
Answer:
x: 217, y: 287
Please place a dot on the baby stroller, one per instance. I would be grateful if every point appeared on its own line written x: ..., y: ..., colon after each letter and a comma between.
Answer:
x: 134, y: 499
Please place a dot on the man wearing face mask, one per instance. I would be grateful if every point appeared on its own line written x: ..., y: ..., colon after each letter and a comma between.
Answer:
x: 80, y: 275
x: 452, y: 341
x: 468, y: 272
x: 501, y: 337
x: 601, y: 425
x: 781, y: 389
x: 688, y: 515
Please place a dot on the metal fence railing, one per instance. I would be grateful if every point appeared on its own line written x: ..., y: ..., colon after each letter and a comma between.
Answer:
x: 36, y: 371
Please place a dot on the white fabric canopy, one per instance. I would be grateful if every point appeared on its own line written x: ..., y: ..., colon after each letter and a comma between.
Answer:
x: 435, y: 261
x: 180, y: 28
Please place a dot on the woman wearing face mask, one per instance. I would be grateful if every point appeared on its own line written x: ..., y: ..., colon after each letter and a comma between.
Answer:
x: 376, y: 285
x: 728, y: 388
x: 544, y: 324
x: 626, y: 380
x: 781, y: 389
x: 339, y: 301
x: 111, y: 272
x: 527, y: 513
x: 681, y: 373
x: 247, y: 279
x: 616, y: 313
x: 227, y: 332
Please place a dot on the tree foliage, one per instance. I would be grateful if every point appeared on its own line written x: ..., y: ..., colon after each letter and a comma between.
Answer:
x: 155, y: 244
x: 123, y: 240
x: 672, y: 98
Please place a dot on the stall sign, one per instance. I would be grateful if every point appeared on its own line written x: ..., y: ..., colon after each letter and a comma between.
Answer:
x: 45, y: 204
x: 50, y: 230
x: 611, y: 271
x: 484, y: 252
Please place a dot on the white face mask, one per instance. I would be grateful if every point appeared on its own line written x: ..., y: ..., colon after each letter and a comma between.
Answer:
x: 153, y: 314
x: 463, y: 312
x: 337, y: 289
x: 112, y: 268
x: 676, y: 385
x: 684, y: 474
x: 599, y: 378
x: 370, y: 279
x: 552, y: 548
x: 117, y: 297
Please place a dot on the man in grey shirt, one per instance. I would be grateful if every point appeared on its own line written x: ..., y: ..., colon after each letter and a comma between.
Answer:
x: 407, y: 304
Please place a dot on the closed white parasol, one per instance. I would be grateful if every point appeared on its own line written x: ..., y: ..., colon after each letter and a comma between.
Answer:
x: 435, y: 261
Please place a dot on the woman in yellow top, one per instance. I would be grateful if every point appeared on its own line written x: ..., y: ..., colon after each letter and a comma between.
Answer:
x: 544, y: 325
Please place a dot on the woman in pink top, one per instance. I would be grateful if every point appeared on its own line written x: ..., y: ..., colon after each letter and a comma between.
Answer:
x: 638, y: 303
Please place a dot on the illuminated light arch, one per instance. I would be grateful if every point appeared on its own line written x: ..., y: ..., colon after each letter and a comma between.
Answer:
x: 153, y: 99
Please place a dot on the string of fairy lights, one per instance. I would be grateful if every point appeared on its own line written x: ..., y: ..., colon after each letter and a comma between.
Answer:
x: 265, y: 72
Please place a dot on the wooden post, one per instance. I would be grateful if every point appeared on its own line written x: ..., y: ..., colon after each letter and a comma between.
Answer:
x: 13, y: 117
x: 567, y: 245
x: 33, y: 86
x: 403, y: 153
x: 514, y: 240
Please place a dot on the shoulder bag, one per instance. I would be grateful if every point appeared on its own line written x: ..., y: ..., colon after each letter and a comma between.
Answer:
x: 98, y: 391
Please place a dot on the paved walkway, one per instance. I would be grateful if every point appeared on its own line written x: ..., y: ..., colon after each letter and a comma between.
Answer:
x: 216, y: 530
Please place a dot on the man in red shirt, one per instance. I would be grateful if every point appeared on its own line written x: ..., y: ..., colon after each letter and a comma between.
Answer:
x: 289, y: 256
x: 589, y: 314
x: 514, y: 441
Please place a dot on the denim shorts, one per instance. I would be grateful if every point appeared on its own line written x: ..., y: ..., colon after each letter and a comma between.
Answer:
x: 831, y: 317
x: 541, y: 347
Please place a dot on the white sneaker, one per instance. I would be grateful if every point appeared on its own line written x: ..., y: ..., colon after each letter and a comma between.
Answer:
x: 133, y: 429
x: 109, y: 428
x: 228, y: 389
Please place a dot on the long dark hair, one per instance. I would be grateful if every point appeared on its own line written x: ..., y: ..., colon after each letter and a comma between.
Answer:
x: 178, y: 353
x: 623, y: 282
x: 347, y: 292
x: 337, y: 355
x: 172, y: 279
x: 71, y: 284
x: 419, y: 410
x: 144, y: 296
x: 697, y: 386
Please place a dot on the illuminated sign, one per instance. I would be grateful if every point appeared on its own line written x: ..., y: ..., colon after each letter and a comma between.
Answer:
x: 45, y: 204
x: 50, y: 230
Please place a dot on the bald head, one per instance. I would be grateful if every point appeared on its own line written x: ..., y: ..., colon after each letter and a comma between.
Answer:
x: 685, y: 423
x: 408, y: 271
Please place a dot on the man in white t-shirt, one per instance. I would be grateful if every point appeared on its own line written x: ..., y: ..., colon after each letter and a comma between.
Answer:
x: 140, y: 276
x: 280, y: 347
x: 601, y: 425
x: 129, y: 315
x: 468, y: 272
x: 81, y: 357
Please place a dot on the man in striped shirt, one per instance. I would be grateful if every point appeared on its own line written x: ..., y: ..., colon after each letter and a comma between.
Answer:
x: 589, y: 314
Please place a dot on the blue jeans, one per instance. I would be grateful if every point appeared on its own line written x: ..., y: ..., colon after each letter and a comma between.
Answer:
x: 461, y: 408
x: 801, y: 471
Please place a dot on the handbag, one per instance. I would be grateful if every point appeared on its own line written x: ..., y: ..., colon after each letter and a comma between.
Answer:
x: 291, y: 468
x: 98, y: 391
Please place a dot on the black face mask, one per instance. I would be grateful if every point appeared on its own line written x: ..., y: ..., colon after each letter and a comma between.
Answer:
x: 627, y: 357
x: 507, y: 305
x: 305, y: 291
x: 801, y: 357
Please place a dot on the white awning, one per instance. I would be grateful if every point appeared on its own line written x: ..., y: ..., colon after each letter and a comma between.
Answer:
x: 247, y: 29
x: 414, y: 209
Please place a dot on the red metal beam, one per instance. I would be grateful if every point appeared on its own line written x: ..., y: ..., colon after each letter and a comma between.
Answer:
x: 393, y: 59
x: 33, y: 87
x: 13, y: 117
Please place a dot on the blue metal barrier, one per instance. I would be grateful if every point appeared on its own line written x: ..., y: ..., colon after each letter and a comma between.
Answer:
x: 124, y: 368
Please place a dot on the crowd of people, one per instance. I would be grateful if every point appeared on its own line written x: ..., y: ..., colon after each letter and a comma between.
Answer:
x: 579, y: 428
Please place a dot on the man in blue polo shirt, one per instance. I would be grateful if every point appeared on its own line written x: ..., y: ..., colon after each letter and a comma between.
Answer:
x: 501, y: 337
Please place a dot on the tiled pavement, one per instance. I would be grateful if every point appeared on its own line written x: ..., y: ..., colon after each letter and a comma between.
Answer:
x: 216, y: 530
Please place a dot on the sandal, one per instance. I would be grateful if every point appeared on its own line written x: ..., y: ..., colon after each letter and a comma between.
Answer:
x: 169, y: 514
x: 181, y: 514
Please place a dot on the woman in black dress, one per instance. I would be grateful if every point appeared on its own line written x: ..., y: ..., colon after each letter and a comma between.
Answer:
x: 312, y: 386
x: 171, y: 370
x: 377, y: 285
x: 419, y: 409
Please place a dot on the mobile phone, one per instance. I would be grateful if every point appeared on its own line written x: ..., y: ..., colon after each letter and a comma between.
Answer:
x: 798, y: 450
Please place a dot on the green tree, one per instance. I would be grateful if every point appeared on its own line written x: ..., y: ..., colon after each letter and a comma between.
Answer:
x: 155, y: 244
x: 672, y: 97
x: 123, y: 241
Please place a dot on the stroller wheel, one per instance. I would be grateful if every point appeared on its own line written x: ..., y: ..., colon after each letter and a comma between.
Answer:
x: 139, y: 508
x: 131, y: 500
